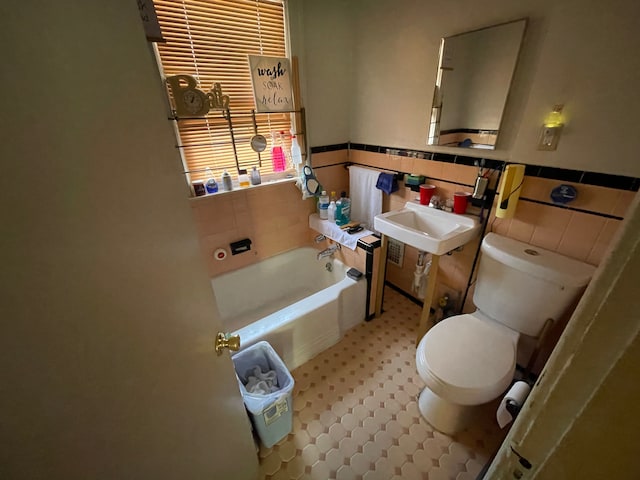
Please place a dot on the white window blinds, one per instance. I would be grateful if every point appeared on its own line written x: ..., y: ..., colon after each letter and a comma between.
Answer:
x: 210, y: 40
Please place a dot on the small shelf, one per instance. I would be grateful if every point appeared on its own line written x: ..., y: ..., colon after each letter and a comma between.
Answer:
x: 335, y: 233
x: 241, y: 114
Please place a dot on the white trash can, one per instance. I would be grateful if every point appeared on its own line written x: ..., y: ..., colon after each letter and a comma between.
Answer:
x: 270, y: 413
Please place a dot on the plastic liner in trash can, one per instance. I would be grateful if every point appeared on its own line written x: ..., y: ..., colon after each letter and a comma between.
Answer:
x: 271, y: 413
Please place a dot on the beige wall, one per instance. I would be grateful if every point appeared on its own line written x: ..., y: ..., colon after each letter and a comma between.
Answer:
x: 572, y: 54
x: 321, y: 33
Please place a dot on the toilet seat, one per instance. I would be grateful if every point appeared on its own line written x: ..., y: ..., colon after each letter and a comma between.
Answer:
x: 467, y: 360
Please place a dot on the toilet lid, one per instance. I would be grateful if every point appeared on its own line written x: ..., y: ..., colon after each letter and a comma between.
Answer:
x: 466, y: 353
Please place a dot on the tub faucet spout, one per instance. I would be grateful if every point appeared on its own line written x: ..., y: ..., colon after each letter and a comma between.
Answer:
x: 327, y: 252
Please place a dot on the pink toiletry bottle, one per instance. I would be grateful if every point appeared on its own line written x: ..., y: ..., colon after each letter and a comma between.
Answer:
x: 278, y: 160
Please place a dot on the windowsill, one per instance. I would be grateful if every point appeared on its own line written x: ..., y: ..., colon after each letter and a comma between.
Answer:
x: 236, y: 188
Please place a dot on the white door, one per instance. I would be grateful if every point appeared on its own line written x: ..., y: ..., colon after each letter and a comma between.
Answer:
x: 107, y: 318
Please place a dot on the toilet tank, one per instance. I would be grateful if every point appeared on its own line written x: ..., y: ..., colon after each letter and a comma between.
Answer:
x: 521, y: 286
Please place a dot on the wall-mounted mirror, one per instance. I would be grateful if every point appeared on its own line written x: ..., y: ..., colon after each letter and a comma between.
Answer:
x: 474, y: 75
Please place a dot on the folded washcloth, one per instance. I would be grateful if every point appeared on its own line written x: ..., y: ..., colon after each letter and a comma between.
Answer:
x: 387, y: 183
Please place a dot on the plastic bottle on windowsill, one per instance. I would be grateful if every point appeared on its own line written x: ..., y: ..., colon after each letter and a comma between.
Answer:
x: 227, y: 185
x: 296, y: 153
x: 255, y: 176
x: 211, y: 185
x: 243, y: 179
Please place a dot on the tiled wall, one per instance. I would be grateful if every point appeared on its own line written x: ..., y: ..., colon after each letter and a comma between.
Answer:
x: 330, y: 169
x: 579, y: 233
x: 583, y: 232
x: 274, y: 217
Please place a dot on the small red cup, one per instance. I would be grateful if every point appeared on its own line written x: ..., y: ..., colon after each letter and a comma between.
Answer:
x: 426, y: 192
x: 460, y: 202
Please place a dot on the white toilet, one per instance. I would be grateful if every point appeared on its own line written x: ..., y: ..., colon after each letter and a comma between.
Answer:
x: 470, y: 359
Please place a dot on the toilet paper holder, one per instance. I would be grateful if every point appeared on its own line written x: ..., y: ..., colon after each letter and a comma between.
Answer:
x: 513, y: 407
x: 512, y: 403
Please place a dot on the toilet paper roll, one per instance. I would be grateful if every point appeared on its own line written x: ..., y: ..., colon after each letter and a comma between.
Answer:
x: 517, y: 394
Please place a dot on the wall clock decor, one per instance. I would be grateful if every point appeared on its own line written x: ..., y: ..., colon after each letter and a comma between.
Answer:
x: 188, y: 100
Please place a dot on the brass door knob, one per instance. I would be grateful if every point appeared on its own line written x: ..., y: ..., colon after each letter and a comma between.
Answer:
x: 224, y: 340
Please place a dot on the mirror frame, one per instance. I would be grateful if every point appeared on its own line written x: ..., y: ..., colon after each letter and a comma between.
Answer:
x: 433, y: 135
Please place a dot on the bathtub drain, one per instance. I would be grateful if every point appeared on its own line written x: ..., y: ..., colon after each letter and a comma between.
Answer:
x: 329, y: 267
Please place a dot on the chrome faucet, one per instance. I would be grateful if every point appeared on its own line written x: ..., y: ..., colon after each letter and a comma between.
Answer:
x: 320, y: 238
x: 327, y: 252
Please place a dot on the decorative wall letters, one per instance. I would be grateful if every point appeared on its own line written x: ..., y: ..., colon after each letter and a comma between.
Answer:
x: 189, y: 101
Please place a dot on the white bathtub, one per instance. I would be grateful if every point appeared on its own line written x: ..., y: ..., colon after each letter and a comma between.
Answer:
x: 299, y: 304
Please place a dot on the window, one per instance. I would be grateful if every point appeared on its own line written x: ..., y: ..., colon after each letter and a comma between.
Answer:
x: 210, y: 40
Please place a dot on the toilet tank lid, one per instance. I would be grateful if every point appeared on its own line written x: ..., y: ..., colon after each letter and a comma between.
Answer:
x: 536, y: 261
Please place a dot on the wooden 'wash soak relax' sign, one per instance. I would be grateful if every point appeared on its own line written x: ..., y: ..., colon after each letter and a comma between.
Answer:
x: 271, y: 79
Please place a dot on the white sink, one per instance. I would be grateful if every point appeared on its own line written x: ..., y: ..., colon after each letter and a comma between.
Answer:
x: 434, y: 231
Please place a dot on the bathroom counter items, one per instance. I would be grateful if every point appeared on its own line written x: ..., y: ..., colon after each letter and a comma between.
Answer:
x: 335, y: 233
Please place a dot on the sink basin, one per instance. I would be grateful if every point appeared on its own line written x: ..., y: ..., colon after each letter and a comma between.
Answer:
x: 434, y: 231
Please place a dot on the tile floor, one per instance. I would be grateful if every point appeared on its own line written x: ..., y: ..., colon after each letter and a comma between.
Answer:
x: 356, y: 417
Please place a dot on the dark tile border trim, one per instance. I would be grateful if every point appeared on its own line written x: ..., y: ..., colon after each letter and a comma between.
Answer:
x: 468, y: 130
x: 619, y: 182
x: 339, y: 164
x: 369, y: 247
x: 566, y: 207
x: 330, y: 148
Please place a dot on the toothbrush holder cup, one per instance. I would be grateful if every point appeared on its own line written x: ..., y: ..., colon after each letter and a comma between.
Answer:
x: 460, y: 202
x: 426, y: 192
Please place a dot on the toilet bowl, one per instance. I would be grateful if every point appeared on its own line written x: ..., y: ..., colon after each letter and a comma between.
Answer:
x: 470, y: 359
x: 465, y: 361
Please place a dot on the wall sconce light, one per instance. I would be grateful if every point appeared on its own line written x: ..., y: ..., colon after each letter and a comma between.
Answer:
x: 551, y: 129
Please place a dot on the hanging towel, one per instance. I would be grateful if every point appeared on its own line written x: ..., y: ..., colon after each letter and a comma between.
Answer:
x: 387, y: 183
x: 366, y: 199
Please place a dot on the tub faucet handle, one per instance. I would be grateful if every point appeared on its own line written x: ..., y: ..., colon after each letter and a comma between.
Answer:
x: 327, y: 252
x: 320, y: 238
